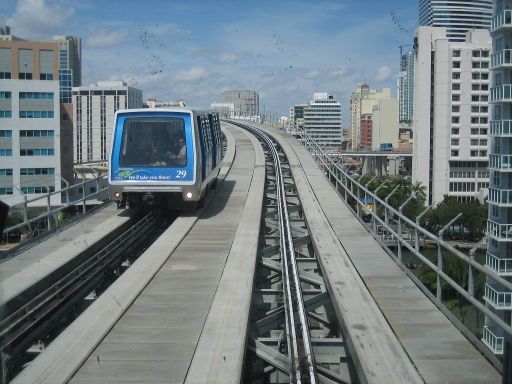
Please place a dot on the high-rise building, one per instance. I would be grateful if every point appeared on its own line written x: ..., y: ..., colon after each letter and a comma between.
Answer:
x: 70, y: 65
x: 30, y: 145
x: 499, y: 224
x: 361, y: 102
x: 322, y: 120
x: 246, y: 103
x: 94, y: 108
x: 451, y: 113
x: 406, y: 89
x: 457, y: 16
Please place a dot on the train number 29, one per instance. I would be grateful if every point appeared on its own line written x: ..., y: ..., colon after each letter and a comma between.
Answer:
x: 181, y: 174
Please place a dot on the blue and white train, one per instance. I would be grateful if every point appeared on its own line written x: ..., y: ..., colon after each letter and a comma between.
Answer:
x: 166, y: 156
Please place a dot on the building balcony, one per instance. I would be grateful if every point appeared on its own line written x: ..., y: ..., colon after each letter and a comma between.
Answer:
x: 502, y: 267
x: 493, y: 342
x: 500, y: 197
x: 501, y: 20
x: 499, y: 232
x: 501, y: 93
x: 501, y: 58
x: 501, y: 128
x: 499, y: 300
x: 500, y: 162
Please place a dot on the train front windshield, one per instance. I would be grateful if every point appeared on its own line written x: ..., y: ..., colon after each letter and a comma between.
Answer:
x: 153, y: 142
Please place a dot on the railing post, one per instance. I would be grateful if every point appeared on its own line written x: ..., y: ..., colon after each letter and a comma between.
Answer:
x: 417, y: 237
x: 440, y: 256
x: 49, y: 209
x: 471, y: 280
x: 400, y: 210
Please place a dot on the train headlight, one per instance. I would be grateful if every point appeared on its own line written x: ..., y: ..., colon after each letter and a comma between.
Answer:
x: 189, y: 195
x: 117, y: 195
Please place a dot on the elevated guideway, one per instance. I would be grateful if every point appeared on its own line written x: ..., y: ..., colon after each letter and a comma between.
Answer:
x: 435, y: 346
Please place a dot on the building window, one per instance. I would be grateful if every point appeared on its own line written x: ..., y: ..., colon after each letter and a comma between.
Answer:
x: 5, y: 152
x: 5, y: 114
x: 6, y: 191
x: 5, y: 75
x: 455, y: 131
x: 5, y: 95
x: 37, y: 152
x: 456, y: 75
x: 37, y: 190
x: 456, y: 108
x: 456, y: 64
x: 6, y: 172
x: 37, y: 133
x: 36, y: 95
x: 455, y: 153
x: 5, y: 133
x: 25, y: 76
x: 455, y: 97
x: 36, y: 114
x: 455, y: 142
x: 474, y: 154
x: 46, y: 76
x: 37, y: 171
x: 455, y: 120
x: 456, y: 53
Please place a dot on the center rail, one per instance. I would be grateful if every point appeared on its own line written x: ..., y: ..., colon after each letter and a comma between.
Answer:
x: 300, y: 352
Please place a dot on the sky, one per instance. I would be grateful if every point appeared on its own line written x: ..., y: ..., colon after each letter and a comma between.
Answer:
x: 193, y: 50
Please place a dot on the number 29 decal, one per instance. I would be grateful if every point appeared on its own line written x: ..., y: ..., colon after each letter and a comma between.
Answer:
x: 181, y: 174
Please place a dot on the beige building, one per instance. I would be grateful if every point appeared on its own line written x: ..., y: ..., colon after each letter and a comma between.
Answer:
x: 385, y: 123
x: 361, y: 103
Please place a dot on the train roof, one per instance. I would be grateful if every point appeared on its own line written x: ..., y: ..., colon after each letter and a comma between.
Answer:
x: 165, y: 109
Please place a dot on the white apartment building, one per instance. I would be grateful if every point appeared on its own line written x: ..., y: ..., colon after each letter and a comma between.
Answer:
x: 451, y: 113
x: 30, y: 161
x: 362, y: 102
x: 30, y: 121
x: 322, y: 120
x: 94, y: 107
x: 225, y: 110
x: 499, y: 224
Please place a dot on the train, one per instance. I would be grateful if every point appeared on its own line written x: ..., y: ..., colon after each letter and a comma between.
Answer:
x: 164, y: 156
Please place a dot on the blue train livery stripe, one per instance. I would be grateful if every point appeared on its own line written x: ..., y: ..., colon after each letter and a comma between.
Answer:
x: 153, y: 175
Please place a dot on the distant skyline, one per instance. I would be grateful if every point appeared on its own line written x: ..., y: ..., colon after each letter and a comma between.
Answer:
x: 284, y: 50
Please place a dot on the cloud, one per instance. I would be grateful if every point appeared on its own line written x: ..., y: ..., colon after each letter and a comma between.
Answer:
x: 36, y: 19
x: 104, y: 38
x: 383, y: 73
x: 312, y: 74
x: 226, y: 58
x: 339, y: 71
x: 192, y: 74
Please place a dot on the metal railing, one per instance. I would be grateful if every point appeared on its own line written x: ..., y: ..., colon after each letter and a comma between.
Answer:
x: 50, y: 211
x: 502, y: 19
x: 350, y: 189
x: 502, y: 128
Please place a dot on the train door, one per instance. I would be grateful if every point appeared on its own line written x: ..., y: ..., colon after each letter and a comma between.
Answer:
x: 202, y: 140
x: 213, y: 132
